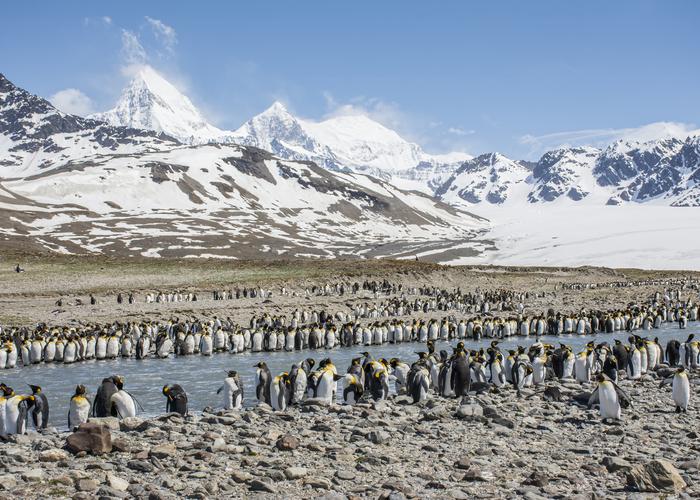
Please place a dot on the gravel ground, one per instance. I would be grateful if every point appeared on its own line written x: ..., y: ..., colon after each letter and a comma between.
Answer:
x: 494, y: 445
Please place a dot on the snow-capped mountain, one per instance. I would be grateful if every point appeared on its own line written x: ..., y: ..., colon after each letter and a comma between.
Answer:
x: 347, y: 142
x: 490, y: 178
x: 660, y: 172
x: 150, y: 102
x: 74, y: 185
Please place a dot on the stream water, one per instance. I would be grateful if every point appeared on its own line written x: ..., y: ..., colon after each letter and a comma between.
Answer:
x: 201, y: 376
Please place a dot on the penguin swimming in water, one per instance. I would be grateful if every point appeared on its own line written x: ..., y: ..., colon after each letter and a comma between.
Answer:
x: 102, y: 407
x: 232, y: 391
x: 176, y: 399
x: 40, y: 408
x: 263, y: 378
x: 79, y: 408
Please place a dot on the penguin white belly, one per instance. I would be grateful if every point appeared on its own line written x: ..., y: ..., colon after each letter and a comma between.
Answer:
x: 325, y: 387
x: 300, y: 386
x: 165, y: 347
x: 11, y: 359
x: 78, y: 412
x: 257, y: 342
x: 101, y: 348
x: 277, y: 396
x: 13, y: 423
x: 609, y: 404
x: 70, y: 352
x: 188, y: 345
x: 681, y: 391
x: 3, y: 358
x: 112, y: 348
x: 206, y: 346
x: 289, y: 342
x: 2, y: 415
x: 35, y: 353
x: 581, y: 369
x: 125, y: 404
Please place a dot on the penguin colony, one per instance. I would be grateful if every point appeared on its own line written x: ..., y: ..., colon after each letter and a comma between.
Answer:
x: 446, y: 375
x: 321, y: 330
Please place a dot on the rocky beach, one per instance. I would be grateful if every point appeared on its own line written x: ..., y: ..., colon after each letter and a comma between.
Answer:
x: 490, y: 445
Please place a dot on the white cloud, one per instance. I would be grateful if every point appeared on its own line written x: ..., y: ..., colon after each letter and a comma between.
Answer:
x: 387, y: 113
x: 603, y: 137
x: 460, y: 131
x: 72, y: 101
x: 164, y: 34
x: 107, y: 20
x: 132, y: 50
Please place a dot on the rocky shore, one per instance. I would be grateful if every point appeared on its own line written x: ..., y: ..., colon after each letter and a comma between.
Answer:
x: 493, y: 445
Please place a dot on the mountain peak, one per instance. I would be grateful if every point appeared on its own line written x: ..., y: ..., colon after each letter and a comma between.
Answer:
x: 153, y: 103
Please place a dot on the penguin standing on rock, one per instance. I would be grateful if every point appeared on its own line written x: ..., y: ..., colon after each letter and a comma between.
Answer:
x: 176, y: 399
x: 279, y: 392
x: 79, y: 408
x: 122, y: 404
x: 40, y: 408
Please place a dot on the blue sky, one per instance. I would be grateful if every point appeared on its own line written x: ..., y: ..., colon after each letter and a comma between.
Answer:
x: 516, y: 77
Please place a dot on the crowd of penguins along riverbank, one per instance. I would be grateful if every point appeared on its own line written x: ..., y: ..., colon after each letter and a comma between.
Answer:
x: 450, y: 375
x: 360, y: 324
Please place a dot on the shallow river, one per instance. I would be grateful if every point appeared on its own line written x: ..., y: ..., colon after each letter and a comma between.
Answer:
x: 201, y: 376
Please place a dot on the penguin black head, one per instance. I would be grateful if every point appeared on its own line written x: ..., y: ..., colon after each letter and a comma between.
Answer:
x: 7, y: 391
x: 80, y: 390
x: 119, y: 382
x: 601, y: 377
x: 311, y: 362
x: 422, y: 355
x: 680, y: 369
x: 365, y: 354
x: 35, y: 389
x: 231, y: 373
x: 260, y: 364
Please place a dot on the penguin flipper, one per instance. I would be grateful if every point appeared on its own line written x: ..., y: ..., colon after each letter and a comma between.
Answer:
x: 594, y: 399
x: 218, y: 391
x: 622, y: 396
x: 135, y: 400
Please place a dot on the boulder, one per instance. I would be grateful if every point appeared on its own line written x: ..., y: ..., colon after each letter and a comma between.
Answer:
x: 90, y: 437
x: 112, y: 423
x: 287, y: 442
x: 53, y: 455
x: 656, y: 476
x: 292, y: 473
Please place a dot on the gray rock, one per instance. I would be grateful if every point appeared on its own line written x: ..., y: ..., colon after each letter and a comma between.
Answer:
x: 287, y: 442
x: 90, y: 437
x: 378, y: 437
x: 53, y: 455
x: 656, y: 476
x: 292, y: 473
x: 320, y: 483
x: 112, y: 423
x: 33, y: 475
x: 614, y: 464
x: 86, y: 485
x: 469, y: 411
x: 117, y: 483
x: 258, y: 485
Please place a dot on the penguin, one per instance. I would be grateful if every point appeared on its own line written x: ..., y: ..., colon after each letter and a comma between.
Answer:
x: 326, y: 386
x: 40, y: 408
x: 352, y: 388
x: 522, y: 374
x: 122, y: 404
x: 232, y: 391
x: 5, y: 394
x: 461, y: 374
x: 379, y: 384
x: 607, y: 395
x: 680, y: 389
x: 102, y: 406
x: 263, y: 378
x: 16, y: 410
x: 418, y: 381
x: 610, y: 367
x: 400, y: 373
x: 176, y: 399
x: 297, y: 383
x: 79, y: 408
x: 279, y: 392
